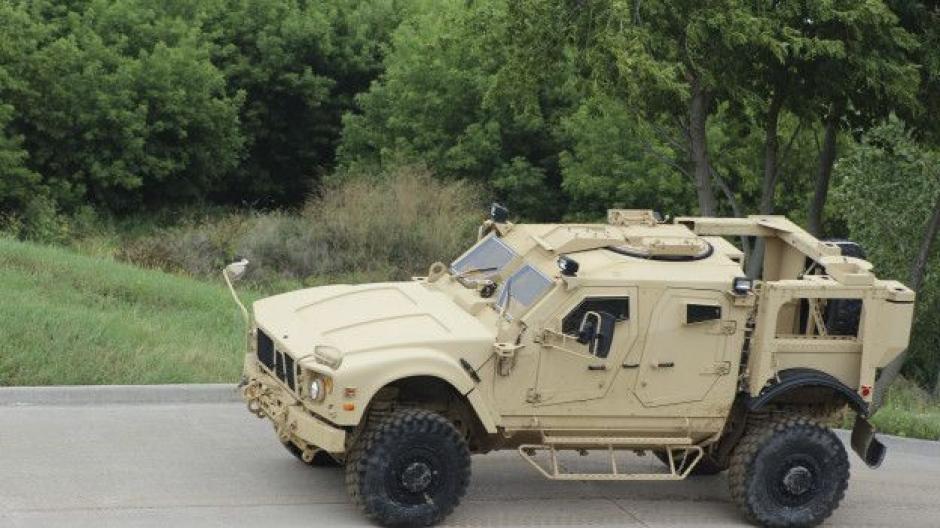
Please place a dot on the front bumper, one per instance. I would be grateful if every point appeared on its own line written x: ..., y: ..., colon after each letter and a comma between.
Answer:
x: 293, y: 423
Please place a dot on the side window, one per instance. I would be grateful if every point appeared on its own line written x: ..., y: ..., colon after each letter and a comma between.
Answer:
x: 698, y: 313
x: 619, y: 307
x: 592, y: 322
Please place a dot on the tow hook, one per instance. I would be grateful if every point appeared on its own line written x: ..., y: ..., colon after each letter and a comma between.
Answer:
x: 253, y: 392
x: 866, y: 445
x: 308, y: 454
x: 254, y: 407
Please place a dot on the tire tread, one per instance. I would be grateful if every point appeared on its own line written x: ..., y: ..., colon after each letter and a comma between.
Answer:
x: 363, y: 453
x: 761, y: 429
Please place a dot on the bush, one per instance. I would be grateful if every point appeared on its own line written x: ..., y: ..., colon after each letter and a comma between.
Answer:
x: 41, y: 222
x: 399, y: 224
x: 362, y: 229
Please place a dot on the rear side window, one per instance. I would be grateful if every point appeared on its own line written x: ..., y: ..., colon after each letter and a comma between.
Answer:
x: 699, y: 313
x: 619, y: 307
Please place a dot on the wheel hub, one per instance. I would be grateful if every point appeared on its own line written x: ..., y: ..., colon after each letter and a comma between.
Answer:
x: 416, y: 477
x: 798, y: 480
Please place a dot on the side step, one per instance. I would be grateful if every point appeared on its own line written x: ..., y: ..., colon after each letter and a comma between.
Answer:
x: 674, y: 447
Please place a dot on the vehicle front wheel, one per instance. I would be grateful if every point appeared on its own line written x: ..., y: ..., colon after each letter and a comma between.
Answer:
x: 408, y: 468
x: 788, y: 471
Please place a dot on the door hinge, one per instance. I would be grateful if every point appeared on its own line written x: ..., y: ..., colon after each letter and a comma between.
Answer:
x: 718, y: 368
x: 505, y: 357
x: 726, y: 327
x: 533, y: 396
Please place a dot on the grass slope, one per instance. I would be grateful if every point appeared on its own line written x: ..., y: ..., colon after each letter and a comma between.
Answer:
x: 72, y: 319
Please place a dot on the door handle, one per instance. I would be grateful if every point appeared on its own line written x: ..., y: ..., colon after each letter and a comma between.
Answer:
x: 630, y: 365
x: 597, y: 367
x: 666, y: 364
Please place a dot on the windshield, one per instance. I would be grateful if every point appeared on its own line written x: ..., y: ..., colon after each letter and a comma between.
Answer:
x: 521, y: 290
x: 488, y: 257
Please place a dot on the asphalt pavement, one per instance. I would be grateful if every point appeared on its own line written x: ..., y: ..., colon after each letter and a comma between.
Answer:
x: 83, y: 461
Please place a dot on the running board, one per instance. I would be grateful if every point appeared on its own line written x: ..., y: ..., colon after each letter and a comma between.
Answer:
x: 672, y: 446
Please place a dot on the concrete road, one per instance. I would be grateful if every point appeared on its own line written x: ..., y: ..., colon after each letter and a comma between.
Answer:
x: 213, y: 464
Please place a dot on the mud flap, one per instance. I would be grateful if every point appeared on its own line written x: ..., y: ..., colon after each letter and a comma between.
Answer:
x: 865, y: 445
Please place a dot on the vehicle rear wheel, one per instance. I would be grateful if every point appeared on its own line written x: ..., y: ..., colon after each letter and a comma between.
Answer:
x: 706, y: 466
x: 788, y: 471
x: 320, y: 459
x: 408, y: 468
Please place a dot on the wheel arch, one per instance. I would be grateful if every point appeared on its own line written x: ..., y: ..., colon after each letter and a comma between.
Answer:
x: 797, y: 382
x: 432, y: 392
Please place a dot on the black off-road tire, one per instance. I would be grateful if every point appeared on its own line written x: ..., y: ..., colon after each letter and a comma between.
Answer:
x: 320, y: 459
x: 409, y: 468
x: 705, y: 467
x: 788, y: 471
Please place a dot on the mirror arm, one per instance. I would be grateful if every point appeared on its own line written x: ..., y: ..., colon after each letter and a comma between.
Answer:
x: 238, y: 301
x: 582, y: 338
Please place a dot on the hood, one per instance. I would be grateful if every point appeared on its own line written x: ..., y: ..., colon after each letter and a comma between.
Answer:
x: 373, y: 317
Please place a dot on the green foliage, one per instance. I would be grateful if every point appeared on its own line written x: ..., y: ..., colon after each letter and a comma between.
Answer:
x: 299, y: 64
x: 115, y: 118
x: 616, y: 159
x: 922, y: 19
x: 134, y: 103
x: 139, y: 108
x: 888, y: 185
x: 908, y: 411
x: 439, y: 102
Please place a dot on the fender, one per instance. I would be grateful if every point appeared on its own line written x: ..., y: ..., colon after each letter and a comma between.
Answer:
x: 797, y: 378
x: 370, y: 372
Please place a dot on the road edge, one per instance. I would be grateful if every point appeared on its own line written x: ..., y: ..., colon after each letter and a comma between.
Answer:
x: 118, y: 394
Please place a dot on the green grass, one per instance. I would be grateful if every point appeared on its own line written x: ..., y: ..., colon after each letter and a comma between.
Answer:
x: 909, y: 412
x: 72, y: 319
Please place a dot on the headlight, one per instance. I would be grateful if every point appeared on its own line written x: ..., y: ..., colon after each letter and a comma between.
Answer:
x: 317, y: 389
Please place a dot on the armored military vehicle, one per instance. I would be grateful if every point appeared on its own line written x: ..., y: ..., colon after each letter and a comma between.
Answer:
x: 636, y: 335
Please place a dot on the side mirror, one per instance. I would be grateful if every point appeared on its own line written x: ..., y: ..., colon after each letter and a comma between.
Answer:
x: 235, y: 270
x: 597, y: 331
x: 588, y: 328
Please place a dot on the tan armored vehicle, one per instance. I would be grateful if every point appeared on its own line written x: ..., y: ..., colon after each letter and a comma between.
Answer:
x: 636, y: 335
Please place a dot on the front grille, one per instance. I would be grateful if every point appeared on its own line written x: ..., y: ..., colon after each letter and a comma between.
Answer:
x: 279, y: 363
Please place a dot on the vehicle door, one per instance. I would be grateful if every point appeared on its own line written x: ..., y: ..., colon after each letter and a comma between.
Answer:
x: 583, y: 343
x: 687, y: 347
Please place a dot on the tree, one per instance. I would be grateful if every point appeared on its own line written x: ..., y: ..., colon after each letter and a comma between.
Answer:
x: 652, y: 56
x: 872, y: 76
x: 889, y: 195
x: 118, y: 121
x: 921, y: 18
x: 299, y: 65
x: 441, y: 101
x: 17, y: 182
x: 792, y: 54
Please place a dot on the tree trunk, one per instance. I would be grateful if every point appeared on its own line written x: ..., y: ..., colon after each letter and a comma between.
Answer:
x: 769, y: 186
x: 698, y: 140
x: 918, y: 268
x: 735, y: 208
x: 827, y: 157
